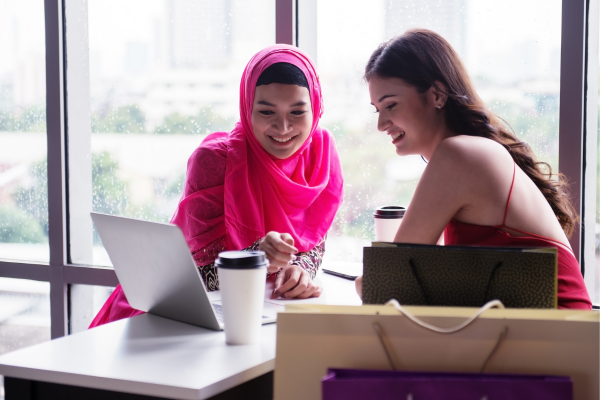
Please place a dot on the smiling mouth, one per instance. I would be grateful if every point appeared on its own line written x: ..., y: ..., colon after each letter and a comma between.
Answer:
x: 282, y: 140
x: 397, y: 135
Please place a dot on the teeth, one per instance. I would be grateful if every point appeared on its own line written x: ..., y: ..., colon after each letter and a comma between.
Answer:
x: 397, y: 135
x: 281, y: 140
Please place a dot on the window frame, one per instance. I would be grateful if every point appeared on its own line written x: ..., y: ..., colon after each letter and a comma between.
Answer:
x: 296, y: 24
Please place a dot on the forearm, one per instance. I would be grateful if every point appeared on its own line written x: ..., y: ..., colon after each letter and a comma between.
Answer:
x: 205, y: 261
x: 310, y: 261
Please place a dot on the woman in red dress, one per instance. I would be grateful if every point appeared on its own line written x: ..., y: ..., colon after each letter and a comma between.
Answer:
x: 482, y: 185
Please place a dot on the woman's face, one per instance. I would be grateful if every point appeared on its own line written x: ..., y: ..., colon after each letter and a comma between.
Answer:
x: 411, y: 119
x: 281, y: 118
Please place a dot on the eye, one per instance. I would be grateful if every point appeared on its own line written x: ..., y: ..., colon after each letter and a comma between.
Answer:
x: 298, y: 112
x: 266, y: 112
x: 391, y: 106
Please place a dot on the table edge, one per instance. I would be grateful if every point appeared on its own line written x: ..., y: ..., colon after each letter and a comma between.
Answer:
x: 137, y: 387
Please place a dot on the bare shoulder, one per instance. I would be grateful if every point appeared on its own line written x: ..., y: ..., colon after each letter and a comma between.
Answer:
x: 466, y: 179
x: 471, y: 152
x: 479, y: 169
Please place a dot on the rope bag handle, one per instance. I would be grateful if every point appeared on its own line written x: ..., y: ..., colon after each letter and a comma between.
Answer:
x: 490, y: 304
x: 394, y: 303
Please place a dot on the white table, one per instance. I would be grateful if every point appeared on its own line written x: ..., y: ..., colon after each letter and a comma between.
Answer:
x: 152, y: 356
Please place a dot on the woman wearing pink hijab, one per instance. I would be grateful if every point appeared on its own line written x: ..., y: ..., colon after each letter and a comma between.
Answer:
x: 273, y: 183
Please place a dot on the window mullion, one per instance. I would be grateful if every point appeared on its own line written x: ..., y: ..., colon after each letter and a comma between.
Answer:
x: 56, y: 165
x: 21, y: 270
x: 78, y: 130
x: 572, y: 81
x: 590, y: 153
x: 285, y: 22
x: 307, y: 27
x: 90, y: 275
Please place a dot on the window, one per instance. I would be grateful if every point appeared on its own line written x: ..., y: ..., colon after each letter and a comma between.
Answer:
x: 514, y: 60
x: 158, y: 84
x: 86, y: 301
x: 149, y: 79
x: 23, y: 178
x: 594, y: 285
x: 24, y: 304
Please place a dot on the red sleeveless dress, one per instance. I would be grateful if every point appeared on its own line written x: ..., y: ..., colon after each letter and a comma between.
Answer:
x: 572, y: 292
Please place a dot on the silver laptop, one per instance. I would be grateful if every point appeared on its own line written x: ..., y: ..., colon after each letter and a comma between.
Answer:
x: 158, y: 274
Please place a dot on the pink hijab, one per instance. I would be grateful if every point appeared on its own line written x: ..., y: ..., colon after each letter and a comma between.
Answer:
x: 260, y: 193
x: 235, y: 188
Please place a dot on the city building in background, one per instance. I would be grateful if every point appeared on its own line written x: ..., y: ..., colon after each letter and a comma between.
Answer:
x: 448, y: 18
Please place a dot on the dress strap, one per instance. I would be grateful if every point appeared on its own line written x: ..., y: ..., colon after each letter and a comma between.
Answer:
x: 509, y: 196
x: 520, y: 231
x: 533, y: 235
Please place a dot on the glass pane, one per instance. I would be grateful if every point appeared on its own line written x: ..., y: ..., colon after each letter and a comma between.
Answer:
x: 159, y: 83
x: 23, y: 178
x: 24, y: 315
x: 513, y: 58
x: 595, y: 290
x: 85, y: 302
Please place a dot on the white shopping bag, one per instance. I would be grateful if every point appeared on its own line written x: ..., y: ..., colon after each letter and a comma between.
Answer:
x: 312, y: 338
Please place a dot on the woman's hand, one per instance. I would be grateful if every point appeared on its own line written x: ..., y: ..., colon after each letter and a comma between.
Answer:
x: 280, y: 250
x: 358, y: 285
x: 294, y: 282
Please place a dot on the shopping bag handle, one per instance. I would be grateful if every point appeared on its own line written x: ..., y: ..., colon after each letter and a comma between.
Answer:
x: 394, y: 303
x: 490, y: 304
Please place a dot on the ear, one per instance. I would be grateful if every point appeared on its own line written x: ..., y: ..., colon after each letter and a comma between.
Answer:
x: 438, y: 94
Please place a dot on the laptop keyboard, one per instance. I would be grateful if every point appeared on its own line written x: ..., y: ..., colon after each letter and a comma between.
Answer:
x: 219, y: 311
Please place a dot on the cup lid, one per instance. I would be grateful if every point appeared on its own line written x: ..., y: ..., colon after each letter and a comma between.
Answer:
x: 390, y: 212
x: 241, y: 259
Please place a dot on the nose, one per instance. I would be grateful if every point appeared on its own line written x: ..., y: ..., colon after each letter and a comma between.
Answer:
x: 382, y: 122
x: 281, y: 125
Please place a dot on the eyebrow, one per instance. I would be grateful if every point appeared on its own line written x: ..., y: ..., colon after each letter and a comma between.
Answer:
x: 385, y: 97
x: 266, y: 103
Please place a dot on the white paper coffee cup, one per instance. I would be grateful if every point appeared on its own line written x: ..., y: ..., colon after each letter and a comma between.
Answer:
x: 387, y: 222
x: 242, y: 276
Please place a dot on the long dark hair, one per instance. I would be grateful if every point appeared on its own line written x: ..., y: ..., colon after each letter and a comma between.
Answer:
x: 421, y: 57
